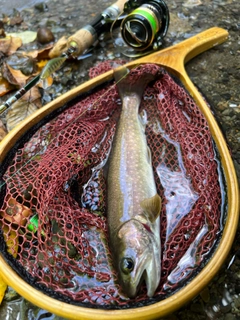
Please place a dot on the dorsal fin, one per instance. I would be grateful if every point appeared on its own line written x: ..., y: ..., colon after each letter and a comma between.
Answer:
x: 152, y: 207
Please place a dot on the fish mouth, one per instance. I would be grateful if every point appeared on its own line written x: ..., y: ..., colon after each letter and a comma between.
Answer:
x: 151, y: 279
x: 148, y: 272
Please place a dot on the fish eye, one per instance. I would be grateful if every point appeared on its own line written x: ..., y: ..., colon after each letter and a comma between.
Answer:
x: 127, y: 265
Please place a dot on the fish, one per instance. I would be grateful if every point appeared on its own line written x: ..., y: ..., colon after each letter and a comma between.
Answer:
x: 133, y: 205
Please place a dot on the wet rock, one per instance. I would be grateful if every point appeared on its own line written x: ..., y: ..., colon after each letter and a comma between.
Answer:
x: 22, y: 62
x: 230, y: 316
x: 237, y: 300
x: 44, y: 35
x: 41, y: 7
x: 222, y: 105
x: 11, y: 295
x: 205, y: 295
x: 197, y: 308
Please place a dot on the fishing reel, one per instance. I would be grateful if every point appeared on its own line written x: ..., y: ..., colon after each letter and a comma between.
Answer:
x: 145, y: 25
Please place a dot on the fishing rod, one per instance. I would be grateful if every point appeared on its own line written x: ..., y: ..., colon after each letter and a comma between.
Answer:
x: 77, y: 44
x: 143, y: 25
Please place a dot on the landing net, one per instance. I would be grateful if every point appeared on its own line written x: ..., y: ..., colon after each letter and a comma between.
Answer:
x: 53, y: 191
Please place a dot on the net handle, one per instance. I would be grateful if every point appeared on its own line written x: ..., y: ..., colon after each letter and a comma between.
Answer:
x: 178, y: 55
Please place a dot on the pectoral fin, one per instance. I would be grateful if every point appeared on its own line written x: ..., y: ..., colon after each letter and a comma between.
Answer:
x: 152, y: 206
x: 149, y: 154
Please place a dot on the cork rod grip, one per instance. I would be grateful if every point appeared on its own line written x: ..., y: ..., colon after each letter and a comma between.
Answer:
x: 86, y: 36
x: 81, y: 40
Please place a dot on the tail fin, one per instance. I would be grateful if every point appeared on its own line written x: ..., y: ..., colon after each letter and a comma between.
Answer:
x: 132, y: 82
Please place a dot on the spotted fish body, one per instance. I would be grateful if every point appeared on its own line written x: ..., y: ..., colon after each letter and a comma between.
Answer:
x: 133, y: 203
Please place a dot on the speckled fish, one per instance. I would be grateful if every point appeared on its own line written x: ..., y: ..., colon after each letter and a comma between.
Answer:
x: 133, y: 203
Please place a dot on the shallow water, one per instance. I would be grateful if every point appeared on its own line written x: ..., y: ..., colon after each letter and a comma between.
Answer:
x: 7, y: 6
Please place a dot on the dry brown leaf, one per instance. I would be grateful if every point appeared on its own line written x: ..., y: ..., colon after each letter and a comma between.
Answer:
x: 32, y: 54
x: 15, y: 44
x: 3, y: 131
x: 13, y: 76
x: 2, y: 32
x: 5, y: 87
x: 40, y: 54
x: 5, y: 44
x: 58, y: 48
x: 32, y: 95
x: 19, y: 111
x: 15, y: 20
x: 9, y: 45
x: 5, y: 20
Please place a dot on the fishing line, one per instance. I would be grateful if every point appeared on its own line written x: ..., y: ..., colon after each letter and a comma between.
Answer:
x: 72, y: 122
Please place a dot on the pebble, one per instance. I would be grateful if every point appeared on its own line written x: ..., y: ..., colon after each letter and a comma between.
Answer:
x: 41, y: 7
x: 44, y: 35
x: 205, y: 295
x: 222, y: 105
x: 237, y: 301
x: 230, y: 316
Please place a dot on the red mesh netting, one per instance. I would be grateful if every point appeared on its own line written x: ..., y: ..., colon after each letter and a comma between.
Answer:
x: 57, y: 179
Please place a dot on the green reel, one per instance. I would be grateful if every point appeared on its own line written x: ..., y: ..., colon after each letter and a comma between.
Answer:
x: 146, y: 25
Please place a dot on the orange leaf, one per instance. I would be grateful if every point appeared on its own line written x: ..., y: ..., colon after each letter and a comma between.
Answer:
x: 13, y: 76
x: 5, y: 44
x: 46, y: 83
x: 41, y: 53
x: 5, y: 87
x: 15, y: 44
x: 9, y: 45
x: 42, y: 64
x: 3, y: 131
x: 32, y: 95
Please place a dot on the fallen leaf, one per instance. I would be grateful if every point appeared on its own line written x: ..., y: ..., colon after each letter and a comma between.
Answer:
x: 3, y: 131
x: 2, y: 33
x: 40, y: 54
x: 15, y: 44
x: 5, y: 44
x: 15, y: 20
x: 42, y: 63
x: 13, y: 76
x: 19, y: 111
x: 25, y: 36
x: 19, y: 61
x: 5, y: 87
x: 5, y: 20
x: 11, y: 239
x: 15, y: 212
x: 32, y: 95
x: 9, y: 45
